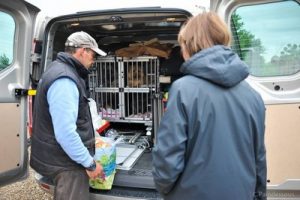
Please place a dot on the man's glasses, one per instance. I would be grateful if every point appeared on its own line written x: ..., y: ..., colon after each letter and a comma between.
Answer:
x: 91, y: 52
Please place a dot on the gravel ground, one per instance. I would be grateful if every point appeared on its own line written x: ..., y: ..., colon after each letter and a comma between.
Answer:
x: 24, y: 190
x: 27, y: 189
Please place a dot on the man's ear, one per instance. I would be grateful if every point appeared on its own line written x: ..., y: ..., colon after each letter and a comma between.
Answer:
x: 78, y: 52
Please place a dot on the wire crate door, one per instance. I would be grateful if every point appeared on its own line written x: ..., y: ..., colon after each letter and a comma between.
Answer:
x: 140, y: 83
x: 105, y: 82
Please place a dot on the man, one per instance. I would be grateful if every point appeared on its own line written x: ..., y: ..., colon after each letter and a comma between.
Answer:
x: 210, y: 143
x: 63, y: 142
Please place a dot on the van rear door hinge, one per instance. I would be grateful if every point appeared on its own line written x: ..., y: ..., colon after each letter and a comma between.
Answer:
x: 24, y: 92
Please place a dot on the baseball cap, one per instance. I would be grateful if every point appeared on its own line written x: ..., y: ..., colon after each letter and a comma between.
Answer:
x: 84, y: 40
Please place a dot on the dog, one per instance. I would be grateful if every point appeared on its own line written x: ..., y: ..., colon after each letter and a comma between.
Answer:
x: 135, y: 76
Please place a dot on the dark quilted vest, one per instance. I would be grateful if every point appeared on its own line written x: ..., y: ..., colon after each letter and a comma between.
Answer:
x: 47, y: 156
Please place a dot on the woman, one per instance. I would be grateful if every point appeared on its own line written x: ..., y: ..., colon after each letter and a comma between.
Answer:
x: 210, y: 143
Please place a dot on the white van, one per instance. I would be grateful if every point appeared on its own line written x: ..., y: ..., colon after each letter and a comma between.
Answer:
x: 130, y: 91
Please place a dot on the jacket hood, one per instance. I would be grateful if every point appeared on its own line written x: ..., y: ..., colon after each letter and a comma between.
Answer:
x: 218, y: 64
x: 70, y: 60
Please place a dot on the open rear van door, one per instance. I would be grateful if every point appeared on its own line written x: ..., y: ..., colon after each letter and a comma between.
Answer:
x: 266, y: 35
x: 17, y: 19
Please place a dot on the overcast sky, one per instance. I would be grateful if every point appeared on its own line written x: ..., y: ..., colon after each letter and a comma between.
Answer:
x: 59, y: 7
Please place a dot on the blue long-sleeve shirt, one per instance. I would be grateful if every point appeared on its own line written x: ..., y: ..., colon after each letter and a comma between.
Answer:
x: 63, y: 99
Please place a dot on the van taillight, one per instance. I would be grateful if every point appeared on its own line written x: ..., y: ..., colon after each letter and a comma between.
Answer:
x: 45, y: 186
x: 37, y: 46
x: 30, y: 115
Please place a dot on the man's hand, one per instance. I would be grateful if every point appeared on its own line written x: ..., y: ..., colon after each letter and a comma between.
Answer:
x: 97, y: 173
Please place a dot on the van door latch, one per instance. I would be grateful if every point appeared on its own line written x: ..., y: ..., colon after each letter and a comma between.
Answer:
x: 19, y: 92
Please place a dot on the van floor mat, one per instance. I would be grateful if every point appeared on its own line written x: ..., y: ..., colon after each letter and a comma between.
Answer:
x: 140, y: 176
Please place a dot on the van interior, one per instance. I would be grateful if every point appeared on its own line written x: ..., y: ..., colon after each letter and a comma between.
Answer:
x: 130, y: 85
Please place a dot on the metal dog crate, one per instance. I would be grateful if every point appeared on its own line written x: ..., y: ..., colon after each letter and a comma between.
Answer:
x: 123, y: 88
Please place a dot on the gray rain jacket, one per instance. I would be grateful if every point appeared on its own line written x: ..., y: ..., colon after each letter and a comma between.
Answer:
x: 210, y: 143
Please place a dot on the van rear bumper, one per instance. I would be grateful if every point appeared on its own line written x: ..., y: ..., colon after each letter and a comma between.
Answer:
x: 116, y: 193
x: 127, y: 193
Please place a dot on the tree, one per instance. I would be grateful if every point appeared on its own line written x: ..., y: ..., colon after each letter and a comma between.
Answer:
x: 289, y: 58
x: 291, y: 50
x: 249, y: 48
x: 4, y: 61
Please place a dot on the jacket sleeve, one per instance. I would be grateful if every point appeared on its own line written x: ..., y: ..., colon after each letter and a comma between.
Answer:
x: 169, y: 151
x: 63, y: 99
x: 260, y: 157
